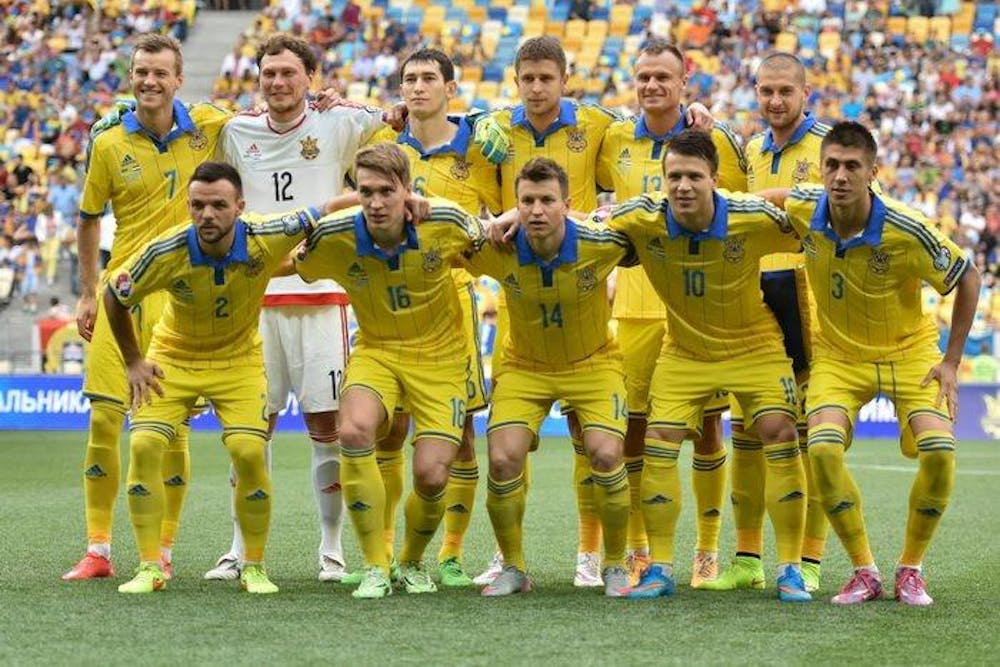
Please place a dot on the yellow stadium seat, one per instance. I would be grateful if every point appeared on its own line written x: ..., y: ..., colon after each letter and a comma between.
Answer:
x: 538, y: 11
x: 597, y: 28
x: 576, y: 27
x: 555, y: 29
x: 621, y: 20
x: 472, y: 73
x: 940, y: 29
x: 829, y: 44
x: 917, y: 29
x: 477, y: 15
x: 962, y: 22
x: 466, y: 4
x: 534, y: 27
x: 787, y: 42
x: 572, y: 44
x: 774, y: 5
x: 457, y: 104
x: 896, y: 26
x: 488, y: 90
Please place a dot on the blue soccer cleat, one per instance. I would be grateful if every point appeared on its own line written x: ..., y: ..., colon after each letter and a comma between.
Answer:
x: 654, y: 582
x: 791, y: 587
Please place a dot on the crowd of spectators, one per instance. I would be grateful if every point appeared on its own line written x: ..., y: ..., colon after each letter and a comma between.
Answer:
x: 932, y: 101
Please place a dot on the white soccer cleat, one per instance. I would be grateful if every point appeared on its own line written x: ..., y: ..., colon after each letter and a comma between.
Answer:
x: 491, y: 572
x: 331, y: 569
x: 227, y: 568
x: 588, y: 570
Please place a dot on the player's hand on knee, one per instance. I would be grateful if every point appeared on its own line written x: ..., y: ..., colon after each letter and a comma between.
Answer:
x: 946, y: 374
x: 144, y: 376
x: 86, y: 314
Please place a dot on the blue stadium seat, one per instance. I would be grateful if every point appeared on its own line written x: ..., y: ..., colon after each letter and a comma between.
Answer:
x: 600, y: 12
x: 960, y: 42
x: 380, y: 3
x: 808, y: 40
x: 497, y: 14
x: 456, y: 14
x: 394, y: 13
x: 493, y: 71
x: 986, y: 14
x: 641, y: 14
x: 559, y: 12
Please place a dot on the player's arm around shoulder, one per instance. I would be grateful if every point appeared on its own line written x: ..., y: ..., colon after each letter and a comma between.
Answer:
x: 801, y: 203
x: 611, y: 245
x: 327, y: 245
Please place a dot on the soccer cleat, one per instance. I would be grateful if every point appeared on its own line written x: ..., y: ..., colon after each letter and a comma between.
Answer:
x: 705, y: 568
x: 491, y: 572
x: 636, y: 561
x: 374, y: 584
x: 655, y: 582
x: 148, y: 579
x: 452, y: 574
x: 810, y: 575
x: 911, y: 589
x: 91, y: 566
x: 227, y: 568
x: 791, y: 587
x: 168, y: 569
x: 616, y: 581
x: 588, y: 570
x: 865, y: 585
x: 416, y: 579
x: 332, y: 570
x: 743, y: 572
x: 510, y: 580
x: 254, y: 579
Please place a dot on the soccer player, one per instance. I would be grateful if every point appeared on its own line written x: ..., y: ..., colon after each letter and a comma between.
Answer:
x: 206, y: 344
x: 630, y: 163
x: 141, y: 167
x: 867, y: 256
x: 411, y: 351
x: 444, y: 162
x: 701, y: 249
x: 559, y: 348
x: 293, y: 155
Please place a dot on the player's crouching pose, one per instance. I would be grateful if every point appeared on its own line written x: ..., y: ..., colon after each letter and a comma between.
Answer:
x: 411, y: 350
x: 559, y: 348
x: 215, y: 271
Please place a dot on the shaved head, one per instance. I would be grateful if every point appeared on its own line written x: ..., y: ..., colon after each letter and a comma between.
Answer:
x: 785, y: 63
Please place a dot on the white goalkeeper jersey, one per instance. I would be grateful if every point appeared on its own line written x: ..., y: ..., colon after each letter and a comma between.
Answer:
x: 304, y: 165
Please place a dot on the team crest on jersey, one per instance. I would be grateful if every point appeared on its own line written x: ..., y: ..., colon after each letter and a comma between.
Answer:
x: 460, y: 169
x: 801, y: 174
x: 809, y: 245
x: 357, y: 274
x: 254, y: 266
x: 734, y: 250
x: 510, y: 282
x: 943, y: 259
x: 432, y: 260
x: 625, y: 160
x: 310, y: 148
x: 123, y: 285
x: 879, y: 261
x: 198, y: 140
x: 576, y: 141
x: 655, y: 248
x: 586, y: 279
x: 182, y: 290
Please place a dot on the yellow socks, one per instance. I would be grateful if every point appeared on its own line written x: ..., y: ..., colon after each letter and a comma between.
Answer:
x: 102, y: 469
x: 785, y: 498
x: 590, y: 522
x: 838, y: 492
x: 459, y: 499
x: 930, y: 493
x: 505, y: 503
x: 636, y: 527
x: 145, y: 491
x: 253, y: 491
x: 423, y: 514
x: 611, y: 496
x: 817, y: 527
x: 661, y: 497
x: 749, y: 474
x: 390, y: 467
x: 176, y: 472
x: 364, y: 495
x: 708, y: 479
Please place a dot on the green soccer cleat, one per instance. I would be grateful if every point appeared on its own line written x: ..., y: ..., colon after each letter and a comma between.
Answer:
x: 254, y: 580
x: 416, y: 579
x: 374, y: 584
x: 810, y: 574
x: 743, y: 572
x: 353, y: 578
x: 148, y: 579
x: 452, y: 574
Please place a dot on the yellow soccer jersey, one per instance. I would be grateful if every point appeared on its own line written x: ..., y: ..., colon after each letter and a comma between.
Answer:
x: 631, y: 164
x: 146, y: 178
x: 710, y: 281
x: 573, y: 141
x: 558, y: 309
x: 405, y: 303
x: 867, y: 289
x: 211, y: 317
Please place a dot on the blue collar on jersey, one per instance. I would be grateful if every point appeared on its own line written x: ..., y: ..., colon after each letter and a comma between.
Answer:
x: 717, y: 230
x: 459, y: 144
x: 796, y: 137
x: 642, y: 130
x: 567, y: 249
x: 872, y: 235
x: 237, y: 253
x: 366, y: 244
x: 130, y: 121
x: 567, y: 117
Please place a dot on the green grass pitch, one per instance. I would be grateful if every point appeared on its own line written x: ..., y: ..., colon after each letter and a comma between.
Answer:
x: 46, y: 621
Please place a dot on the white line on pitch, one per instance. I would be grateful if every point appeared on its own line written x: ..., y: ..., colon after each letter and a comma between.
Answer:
x: 986, y: 473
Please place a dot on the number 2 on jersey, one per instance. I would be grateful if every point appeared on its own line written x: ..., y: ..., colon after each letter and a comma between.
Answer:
x: 282, y: 183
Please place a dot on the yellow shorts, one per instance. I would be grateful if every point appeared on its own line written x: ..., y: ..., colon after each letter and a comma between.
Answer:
x: 848, y: 385
x: 598, y: 396
x: 503, y: 329
x: 801, y: 422
x: 684, y: 387
x: 641, y: 341
x: 104, y: 369
x: 477, y: 397
x: 238, y: 394
x: 433, y: 393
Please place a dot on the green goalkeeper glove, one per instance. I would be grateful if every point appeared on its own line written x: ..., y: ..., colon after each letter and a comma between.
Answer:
x: 112, y: 117
x: 493, y: 141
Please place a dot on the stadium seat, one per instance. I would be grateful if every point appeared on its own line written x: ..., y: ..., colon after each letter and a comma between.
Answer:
x: 534, y: 27
x: 555, y: 29
x: 597, y: 29
x: 457, y: 13
x: 517, y: 14
x: 496, y: 13
x: 786, y: 41
x: 808, y: 41
x: 472, y: 74
x: 986, y: 15
x: 940, y: 29
x: 621, y: 20
x: 917, y: 29
x: 896, y: 28
x: 962, y: 22
x: 477, y: 15
x: 433, y: 20
x: 488, y: 90
x: 829, y: 44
